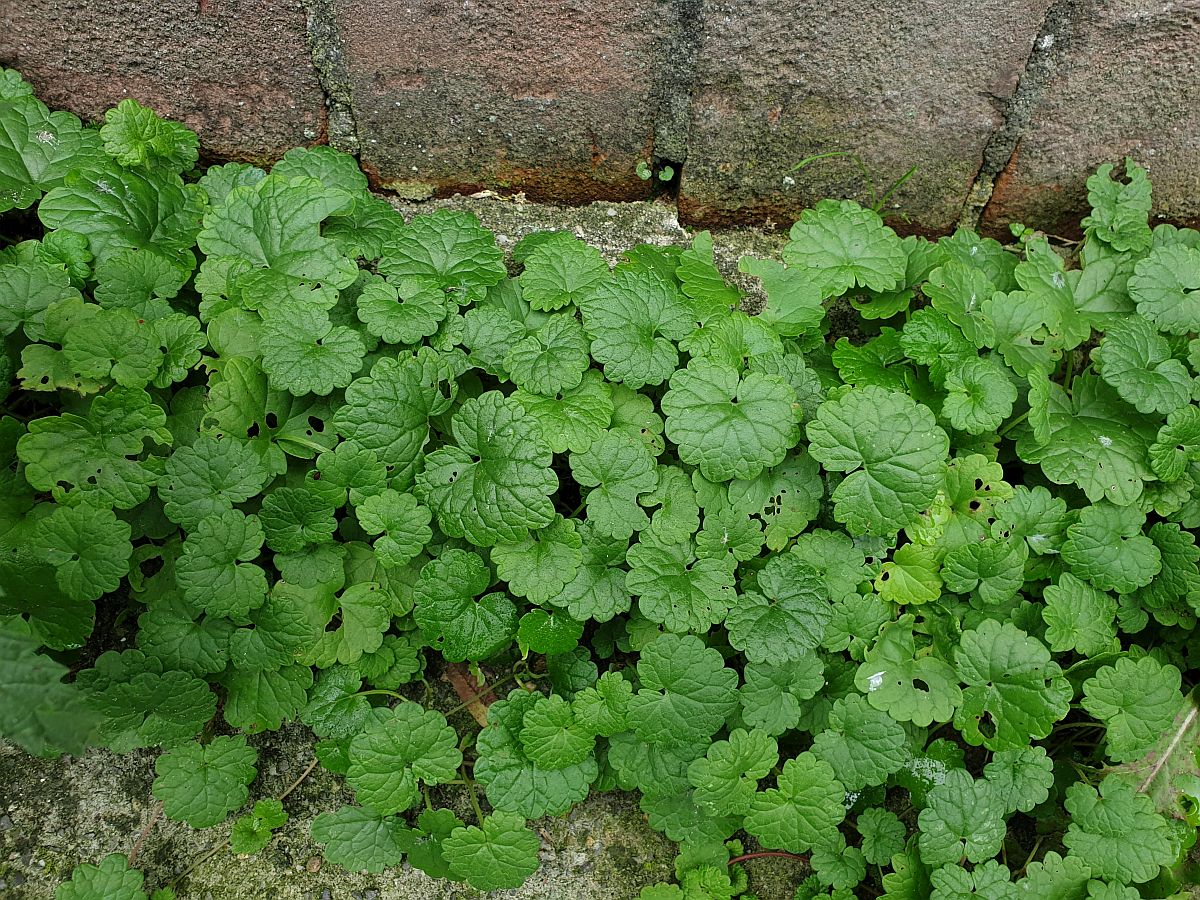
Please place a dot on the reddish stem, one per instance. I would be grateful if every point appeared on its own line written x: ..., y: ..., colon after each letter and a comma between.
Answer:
x: 761, y: 853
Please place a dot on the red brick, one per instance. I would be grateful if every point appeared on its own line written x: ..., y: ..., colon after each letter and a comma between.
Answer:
x: 236, y: 71
x: 898, y: 82
x: 553, y: 97
x: 1130, y: 85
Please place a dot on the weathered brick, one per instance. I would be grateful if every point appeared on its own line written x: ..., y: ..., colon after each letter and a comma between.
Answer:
x: 1129, y: 84
x: 897, y: 82
x: 238, y: 72
x: 555, y: 98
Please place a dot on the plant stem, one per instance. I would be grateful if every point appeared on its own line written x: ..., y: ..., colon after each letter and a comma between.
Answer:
x: 1013, y: 424
x: 141, y: 840
x: 1029, y: 858
x: 759, y: 854
x: 487, y: 690
x: 1069, y: 373
x: 470, y: 783
x: 380, y: 691
x: 295, y: 784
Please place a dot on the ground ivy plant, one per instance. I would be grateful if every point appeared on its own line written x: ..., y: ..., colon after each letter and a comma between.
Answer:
x: 897, y: 577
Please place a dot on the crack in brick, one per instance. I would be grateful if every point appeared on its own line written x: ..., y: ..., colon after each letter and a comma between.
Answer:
x: 1049, y: 50
x: 329, y: 60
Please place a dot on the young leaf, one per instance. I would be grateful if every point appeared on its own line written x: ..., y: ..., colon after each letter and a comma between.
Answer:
x: 202, y: 784
x: 501, y: 853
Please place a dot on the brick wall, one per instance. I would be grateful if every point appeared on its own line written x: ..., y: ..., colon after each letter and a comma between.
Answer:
x: 1004, y: 106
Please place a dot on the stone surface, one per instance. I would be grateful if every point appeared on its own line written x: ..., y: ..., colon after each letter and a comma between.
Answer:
x: 58, y: 813
x: 897, y: 82
x: 238, y: 72
x: 1127, y: 85
x: 557, y: 99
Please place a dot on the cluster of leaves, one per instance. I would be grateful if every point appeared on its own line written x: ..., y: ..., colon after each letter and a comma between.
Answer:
x: 919, y: 601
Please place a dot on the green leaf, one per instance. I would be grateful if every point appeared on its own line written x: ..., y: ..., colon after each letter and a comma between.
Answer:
x: 803, y: 811
x: 1177, y: 444
x: 619, y: 469
x: 1013, y: 692
x: 862, y: 744
x: 773, y: 696
x: 448, y: 248
x: 334, y: 708
x: 726, y: 779
x: 572, y: 419
x: 964, y: 818
x: 403, y: 522
x: 561, y: 270
x: 424, y: 848
x: 394, y: 755
x: 545, y: 632
x: 882, y: 834
x: 365, y: 616
x: 1166, y: 288
x: 216, y: 572
x: 495, y: 485
x: 144, y: 706
x: 632, y: 320
x: 841, y: 245
x: 360, y: 840
x: 88, y: 547
x: 893, y: 451
x: 959, y: 291
x: 675, y: 588
x: 598, y: 589
x: 202, y: 784
x: 388, y: 411
x: 38, y: 148
x: 401, y: 314
x: 874, y: 362
x: 550, y: 360
x: 979, y: 396
x: 538, y: 567
x: 514, y: 782
x: 1107, y: 548
x: 501, y: 853
x: 96, y: 455
x: 1086, y: 449
x: 793, y: 299
x: 1026, y: 331
x: 989, y: 881
x: 1022, y: 777
x: 134, y: 136
x: 603, y: 708
x: 909, y: 687
x: 1117, y: 832
x: 1119, y: 209
x: 1138, y: 700
x: 729, y: 426
x: 686, y: 692
x: 451, y: 618
x: 38, y: 711
x: 208, y: 478
x: 27, y: 291
x: 1136, y: 360
x: 263, y: 699
x: 786, y: 616
x: 253, y: 831
x: 305, y: 354
x: 275, y: 224
x: 552, y: 737
x: 124, y: 209
x: 111, y: 880
x: 1079, y: 617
